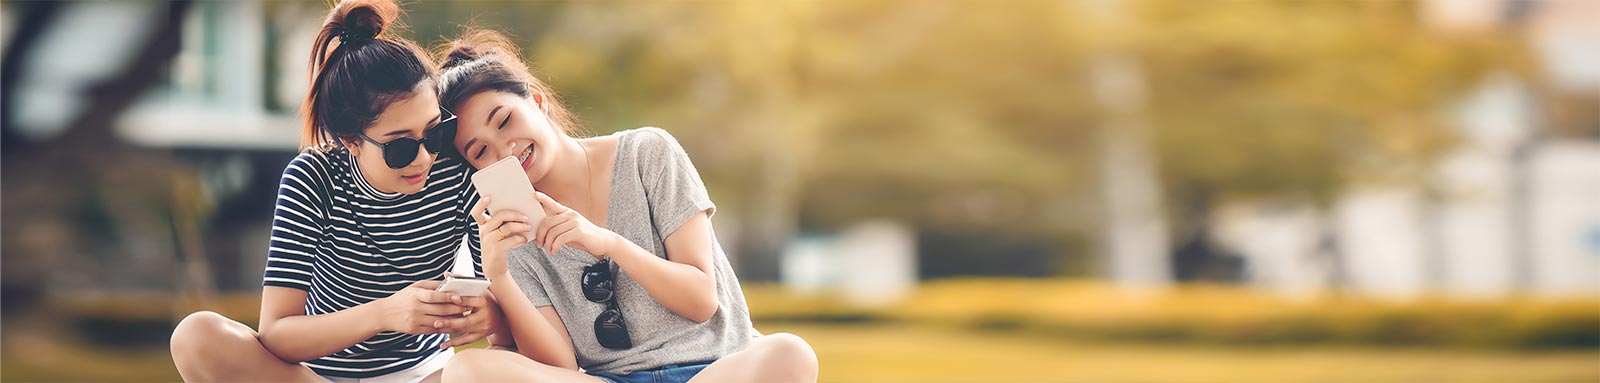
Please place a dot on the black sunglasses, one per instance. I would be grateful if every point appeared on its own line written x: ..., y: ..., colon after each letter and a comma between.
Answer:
x: 600, y: 287
x: 403, y: 151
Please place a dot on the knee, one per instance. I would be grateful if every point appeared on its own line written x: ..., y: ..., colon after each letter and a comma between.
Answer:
x: 208, y: 335
x: 792, y: 353
x: 204, y: 336
x: 464, y: 365
x: 191, y: 334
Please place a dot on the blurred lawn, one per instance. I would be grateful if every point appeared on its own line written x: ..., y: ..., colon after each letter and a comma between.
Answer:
x: 1205, y: 314
x: 889, y: 353
x: 985, y: 330
x: 884, y: 353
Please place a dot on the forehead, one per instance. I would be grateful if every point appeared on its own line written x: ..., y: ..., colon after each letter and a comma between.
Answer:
x: 412, y: 113
x: 474, y: 110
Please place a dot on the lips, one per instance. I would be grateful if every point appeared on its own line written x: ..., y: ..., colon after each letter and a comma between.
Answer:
x: 414, y: 179
x: 526, y: 157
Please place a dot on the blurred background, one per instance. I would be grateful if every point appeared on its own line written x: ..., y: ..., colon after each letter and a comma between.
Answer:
x: 926, y: 190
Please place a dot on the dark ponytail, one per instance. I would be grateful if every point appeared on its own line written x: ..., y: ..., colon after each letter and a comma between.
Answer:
x: 357, y: 71
x: 481, y: 60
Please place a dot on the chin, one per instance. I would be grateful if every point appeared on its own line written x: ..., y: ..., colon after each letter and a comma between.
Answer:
x: 536, y: 172
x: 412, y: 189
x: 533, y: 176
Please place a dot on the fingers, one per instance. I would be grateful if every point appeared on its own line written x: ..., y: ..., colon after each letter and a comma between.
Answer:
x: 460, y: 324
x: 427, y: 284
x: 476, y: 303
x: 442, y: 310
x: 550, y: 206
x: 563, y: 234
x: 511, y: 242
x: 560, y: 223
x: 464, y: 339
x: 473, y: 323
x: 432, y: 296
x: 516, y: 234
x: 499, y: 220
x: 478, y: 210
x: 544, y: 227
x: 516, y: 228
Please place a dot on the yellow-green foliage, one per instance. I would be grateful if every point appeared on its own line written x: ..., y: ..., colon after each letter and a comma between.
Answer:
x: 1203, y: 313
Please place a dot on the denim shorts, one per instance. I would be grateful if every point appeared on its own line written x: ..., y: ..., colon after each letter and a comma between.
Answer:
x: 672, y: 373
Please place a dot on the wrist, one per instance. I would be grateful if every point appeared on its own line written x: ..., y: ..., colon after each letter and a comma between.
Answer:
x: 493, y: 272
x: 614, y: 245
x: 373, y: 314
x: 495, y: 276
x: 494, y: 266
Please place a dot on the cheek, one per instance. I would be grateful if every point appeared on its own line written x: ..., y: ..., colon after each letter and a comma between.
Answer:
x: 373, y: 166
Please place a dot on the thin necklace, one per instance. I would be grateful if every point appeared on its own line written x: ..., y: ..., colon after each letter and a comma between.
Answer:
x: 588, y: 174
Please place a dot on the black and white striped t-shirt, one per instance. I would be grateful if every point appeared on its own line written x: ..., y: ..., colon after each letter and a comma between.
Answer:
x: 346, y: 244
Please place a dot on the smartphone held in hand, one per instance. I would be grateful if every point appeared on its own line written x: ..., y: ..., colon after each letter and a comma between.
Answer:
x: 507, y: 187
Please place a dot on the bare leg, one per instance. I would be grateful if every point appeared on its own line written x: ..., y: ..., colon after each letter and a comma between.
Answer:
x: 780, y: 357
x: 209, y: 347
x: 483, y: 365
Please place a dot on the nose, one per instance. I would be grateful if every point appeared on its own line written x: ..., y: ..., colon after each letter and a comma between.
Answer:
x: 510, y: 149
x: 423, y: 157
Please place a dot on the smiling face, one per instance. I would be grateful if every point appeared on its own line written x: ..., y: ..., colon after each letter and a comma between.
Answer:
x: 495, y: 125
x: 408, y: 118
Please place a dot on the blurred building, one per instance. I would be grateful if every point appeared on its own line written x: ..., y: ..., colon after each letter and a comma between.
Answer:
x: 228, y: 108
x: 871, y: 263
x: 1514, y: 208
x: 224, y: 107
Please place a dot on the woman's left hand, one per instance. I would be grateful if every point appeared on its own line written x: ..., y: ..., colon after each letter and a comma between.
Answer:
x: 474, y: 325
x: 563, y: 226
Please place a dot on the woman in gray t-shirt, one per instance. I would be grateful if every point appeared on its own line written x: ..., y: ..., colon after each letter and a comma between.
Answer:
x: 624, y: 277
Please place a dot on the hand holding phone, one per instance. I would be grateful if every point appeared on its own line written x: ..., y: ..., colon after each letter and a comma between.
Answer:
x: 507, y: 188
x: 464, y: 286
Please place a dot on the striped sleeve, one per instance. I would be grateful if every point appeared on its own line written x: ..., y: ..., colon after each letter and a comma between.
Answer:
x: 298, y: 222
x: 469, y: 197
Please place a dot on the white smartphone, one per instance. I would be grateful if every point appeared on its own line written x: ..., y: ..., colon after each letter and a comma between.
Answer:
x: 464, y: 286
x: 508, y: 185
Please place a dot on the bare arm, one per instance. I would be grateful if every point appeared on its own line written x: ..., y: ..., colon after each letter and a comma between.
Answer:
x: 683, y: 282
x: 538, y: 331
x: 295, y: 337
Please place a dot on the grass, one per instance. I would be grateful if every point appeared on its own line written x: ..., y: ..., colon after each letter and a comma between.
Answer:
x: 896, y: 353
x: 1205, y: 314
x: 983, y: 330
x: 891, y: 353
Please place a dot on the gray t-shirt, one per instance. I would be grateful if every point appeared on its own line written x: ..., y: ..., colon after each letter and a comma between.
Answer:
x: 654, y: 189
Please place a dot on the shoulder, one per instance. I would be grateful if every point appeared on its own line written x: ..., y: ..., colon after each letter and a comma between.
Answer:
x: 309, y: 169
x: 649, y: 142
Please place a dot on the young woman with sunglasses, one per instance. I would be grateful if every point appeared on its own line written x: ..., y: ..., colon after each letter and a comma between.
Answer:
x: 624, y: 278
x: 367, y: 220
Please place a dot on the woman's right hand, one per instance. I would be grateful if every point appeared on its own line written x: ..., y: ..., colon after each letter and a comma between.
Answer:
x: 497, y: 235
x: 414, y: 309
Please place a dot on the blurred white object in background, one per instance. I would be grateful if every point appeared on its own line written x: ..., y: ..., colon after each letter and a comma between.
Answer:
x: 1564, y: 219
x: 872, y: 263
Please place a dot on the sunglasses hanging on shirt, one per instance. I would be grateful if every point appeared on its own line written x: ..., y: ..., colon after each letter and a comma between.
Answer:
x: 600, y: 286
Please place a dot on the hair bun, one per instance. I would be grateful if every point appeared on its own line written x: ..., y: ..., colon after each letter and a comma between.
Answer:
x: 476, y: 43
x: 363, y: 19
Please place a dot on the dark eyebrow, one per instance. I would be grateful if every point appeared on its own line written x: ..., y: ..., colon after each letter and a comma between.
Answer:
x: 468, y: 146
x: 425, y: 126
x: 491, y: 114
